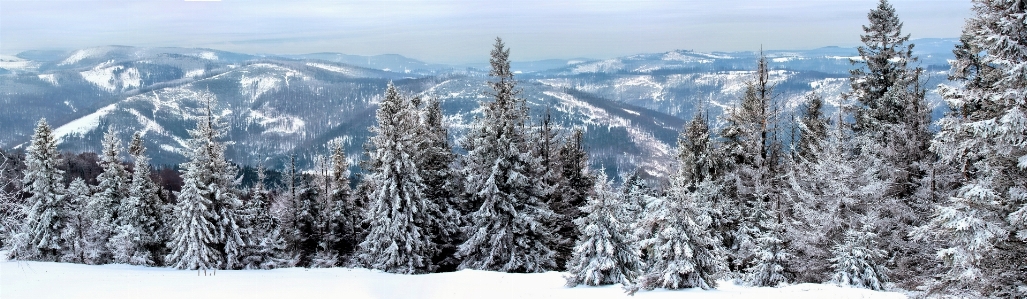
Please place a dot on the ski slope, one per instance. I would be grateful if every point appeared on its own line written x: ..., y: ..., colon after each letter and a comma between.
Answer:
x: 61, y: 280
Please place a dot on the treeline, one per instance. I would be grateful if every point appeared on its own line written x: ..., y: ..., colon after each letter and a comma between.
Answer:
x: 868, y: 197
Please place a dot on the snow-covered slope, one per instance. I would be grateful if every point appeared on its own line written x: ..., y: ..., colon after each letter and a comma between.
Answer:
x: 60, y: 280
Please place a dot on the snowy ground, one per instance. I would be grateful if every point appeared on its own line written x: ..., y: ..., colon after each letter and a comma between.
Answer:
x: 59, y: 280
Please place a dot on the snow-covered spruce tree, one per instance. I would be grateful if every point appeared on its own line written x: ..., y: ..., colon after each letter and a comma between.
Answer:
x: 11, y: 205
x: 829, y: 196
x: 769, y: 267
x: 137, y: 239
x: 570, y: 193
x: 681, y: 247
x: 984, y: 224
x: 511, y: 227
x: 812, y: 127
x: 892, y: 110
x: 636, y: 195
x: 77, y: 223
x: 400, y: 236
x: 754, y: 180
x: 605, y: 252
x: 265, y: 246
x: 40, y: 235
x: 435, y: 162
x: 858, y: 261
x: 345, y: 215
x: 111, y: 190
x: 206, y: 233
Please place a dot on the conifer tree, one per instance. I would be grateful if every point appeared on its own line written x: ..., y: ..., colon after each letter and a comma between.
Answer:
x: 206, y: 232
x: 78, y: 224
x: 266, y: 247
x: 111, y: 190
x: 754, y: 182
x: 138, y: 240
x: 345, y: 214
x: 813, y: 126
x: 40, y: 235
x: 984, y: 223
x: 858, y: 261
x: 435, y: 162
x: 510, y: 226
x: 570, y: 192
x: 605, y: 252
x: 400, y: 237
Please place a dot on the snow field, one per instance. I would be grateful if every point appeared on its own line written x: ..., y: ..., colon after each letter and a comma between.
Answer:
x: 62, y: 280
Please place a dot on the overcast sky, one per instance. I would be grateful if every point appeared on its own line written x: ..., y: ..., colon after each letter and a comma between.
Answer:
x: 457, y: 31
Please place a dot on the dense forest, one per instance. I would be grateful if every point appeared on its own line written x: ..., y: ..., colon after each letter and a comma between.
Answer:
x: 875, y: 195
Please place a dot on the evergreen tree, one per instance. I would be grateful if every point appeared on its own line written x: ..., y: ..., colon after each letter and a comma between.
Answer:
x: 345, y: 215
x: 892, y: 110
x: 266, y: 247
x: 510, y: 226
x: 984, y: 223
x: 570, y: 192
x: 858, y: 261
x: 812, y: 127
x: 138, y: 240
x: 754, y: 182
x: 400, y: 236
x: 40, y: 235
x: 78, y: 224
x: 435, y: 163
x: 111, y: 190
x: 206, y: 231
x: 605, y: 252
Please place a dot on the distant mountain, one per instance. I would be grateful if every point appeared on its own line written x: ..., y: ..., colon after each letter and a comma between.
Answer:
x: 630, y: 107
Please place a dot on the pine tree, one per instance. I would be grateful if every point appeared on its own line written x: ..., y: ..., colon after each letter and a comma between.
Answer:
x: 858, y: 261
x: 78, y: 224
x: 680, y: 242
x: 509, y: 228
x: 984, y: 224
x: 206, y: 233
x: 266, y: 247
x: 138, y: 240
x: 400, y: 237
x: 605, y: 252
x: 570, y: 192
x: 111, y: 190
x: 754, y: 181
x: 435, y: 163
x: 40, y: 236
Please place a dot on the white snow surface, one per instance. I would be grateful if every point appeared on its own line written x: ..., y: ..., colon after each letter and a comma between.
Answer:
x: 61, y: 280
x: 83, y: 124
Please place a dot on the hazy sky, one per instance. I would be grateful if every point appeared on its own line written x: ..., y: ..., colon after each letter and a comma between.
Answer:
x: 457, y: 31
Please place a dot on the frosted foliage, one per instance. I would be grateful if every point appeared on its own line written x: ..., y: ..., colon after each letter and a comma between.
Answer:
x: 77, y: 223
x: 681, y: 251
x: 984, y: 225
x: 509, y: 227
x: 605, y: 252
x: 858, y: 261
x: 205, y: 233
x: 40, y: 236
x: 138, y: 235
x: 399, y: 239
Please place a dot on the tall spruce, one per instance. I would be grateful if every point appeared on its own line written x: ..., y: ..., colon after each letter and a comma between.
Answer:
x: 266, y: 246
x: 435, y: 163
x: 111, y: 190
x: 137, y: 239
x: 509, y: 228
x: 345, y: 215
x: 753, y: 185
x: 78, y: 224
x: 206, y: 232
x: 983, y: 226
x: 39, y: 237
x: 400, y: 237
x: 570, y: 191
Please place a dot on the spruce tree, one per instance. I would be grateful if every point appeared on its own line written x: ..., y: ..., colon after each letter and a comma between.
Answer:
x: 40, y: 235
x: 344, y: 214
x: 111, y: 190
x: 435, y: 163
x: 78, y: 225
x: 983, y: 225
x: 858, y: 261
x: 266, y: 247
x: 570, y: 192
x: 606, y: 251
x: 812, y: 126
x: 206, y: 232
x: 510, y: 227
x: 138, y: 240
x: 400, y: 236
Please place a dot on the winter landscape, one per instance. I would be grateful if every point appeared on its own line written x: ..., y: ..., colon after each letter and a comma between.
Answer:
x: 895, y: 168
